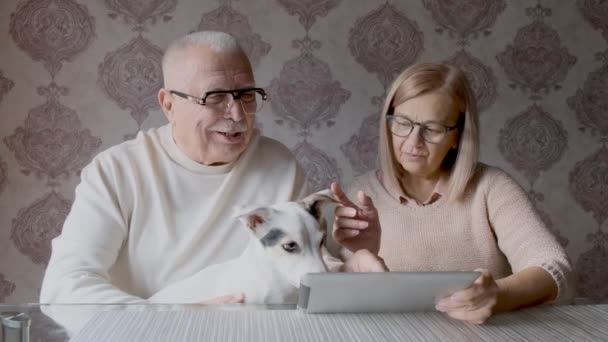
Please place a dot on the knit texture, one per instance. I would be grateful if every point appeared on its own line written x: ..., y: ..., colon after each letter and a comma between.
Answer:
x: 495, y: 226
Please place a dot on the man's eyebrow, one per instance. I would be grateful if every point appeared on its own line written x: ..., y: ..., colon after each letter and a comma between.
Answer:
x: 214, y: 89
x: 244, y: 86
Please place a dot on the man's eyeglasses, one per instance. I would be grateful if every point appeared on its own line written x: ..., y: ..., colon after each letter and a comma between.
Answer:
x: 432, y: 132
x: 220, y: 101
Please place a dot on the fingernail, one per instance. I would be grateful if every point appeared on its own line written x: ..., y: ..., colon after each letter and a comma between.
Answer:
x: 364, y: 224
x: 439, y: 308
x: 352, y: 212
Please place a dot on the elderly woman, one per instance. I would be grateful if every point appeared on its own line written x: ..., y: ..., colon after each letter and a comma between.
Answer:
x: 442, y: 210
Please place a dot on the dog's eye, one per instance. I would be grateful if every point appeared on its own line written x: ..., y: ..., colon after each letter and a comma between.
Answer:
x: 290, y: 247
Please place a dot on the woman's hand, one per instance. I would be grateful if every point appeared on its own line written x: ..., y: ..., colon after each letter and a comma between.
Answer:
x: 356, y: 226
x: 474, y: 304
x: 364, y: 261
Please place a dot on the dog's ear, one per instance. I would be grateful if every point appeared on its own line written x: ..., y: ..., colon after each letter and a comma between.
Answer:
x: 314, y: 202
x: 255, y: 219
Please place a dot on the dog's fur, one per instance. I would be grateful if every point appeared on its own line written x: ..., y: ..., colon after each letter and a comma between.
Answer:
x: 286, y: 242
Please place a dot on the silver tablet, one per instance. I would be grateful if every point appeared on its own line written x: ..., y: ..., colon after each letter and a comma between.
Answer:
x: 379, y: 292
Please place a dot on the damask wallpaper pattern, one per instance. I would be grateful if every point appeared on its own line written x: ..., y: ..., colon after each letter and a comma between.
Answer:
x: 77, y: 77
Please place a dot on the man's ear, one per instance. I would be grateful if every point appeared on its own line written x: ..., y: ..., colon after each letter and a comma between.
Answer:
x: 314, y: 202
x: 255, y: 220
x: 165, y: 99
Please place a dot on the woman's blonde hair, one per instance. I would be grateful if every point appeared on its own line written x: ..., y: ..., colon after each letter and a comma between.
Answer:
x: 449, y: 80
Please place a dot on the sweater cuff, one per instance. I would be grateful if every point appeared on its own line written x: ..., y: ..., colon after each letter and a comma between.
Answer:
x: 561, y: 278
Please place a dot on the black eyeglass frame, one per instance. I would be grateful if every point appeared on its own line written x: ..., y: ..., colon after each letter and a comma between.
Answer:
x: 390, y: 116
x: 236, y: 95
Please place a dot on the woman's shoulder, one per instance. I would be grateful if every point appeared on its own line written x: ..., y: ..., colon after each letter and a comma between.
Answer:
x: 490, y: 172
x: 493, y: 173
x: 493, y: 178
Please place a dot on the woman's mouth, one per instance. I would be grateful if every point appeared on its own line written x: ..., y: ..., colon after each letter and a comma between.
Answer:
x: 413, y: 157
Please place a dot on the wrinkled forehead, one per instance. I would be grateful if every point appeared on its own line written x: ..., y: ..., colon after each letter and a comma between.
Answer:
x: 432, y: 106
x: 225, y: 80
x: 204, y: 69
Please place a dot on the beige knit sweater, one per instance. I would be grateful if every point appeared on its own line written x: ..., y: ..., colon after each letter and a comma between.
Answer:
x: 494, y: 227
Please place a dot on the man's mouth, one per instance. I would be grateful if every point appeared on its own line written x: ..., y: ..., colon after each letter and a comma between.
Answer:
x: 230, y: 134
x: 231, y: 137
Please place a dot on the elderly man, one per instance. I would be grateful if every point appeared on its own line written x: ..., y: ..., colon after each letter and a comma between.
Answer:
x: 158, y: 209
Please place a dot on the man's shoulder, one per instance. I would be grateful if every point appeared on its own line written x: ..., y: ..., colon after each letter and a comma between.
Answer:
x: 270, y: 164
x: 271, y: 148
x: 133, y: 149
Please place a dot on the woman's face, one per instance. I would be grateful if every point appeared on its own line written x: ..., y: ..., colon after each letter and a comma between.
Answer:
x: 416, y: 155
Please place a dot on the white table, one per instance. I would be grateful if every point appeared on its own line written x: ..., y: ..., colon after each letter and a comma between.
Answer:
x: 175, y: 323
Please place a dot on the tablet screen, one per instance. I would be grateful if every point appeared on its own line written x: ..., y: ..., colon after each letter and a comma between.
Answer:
x: 379, y: 292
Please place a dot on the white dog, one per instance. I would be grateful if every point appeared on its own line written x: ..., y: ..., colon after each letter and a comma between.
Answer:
x: 286, y: 242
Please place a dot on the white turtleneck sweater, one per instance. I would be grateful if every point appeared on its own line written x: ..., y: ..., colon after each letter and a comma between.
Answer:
x: 145, y: 216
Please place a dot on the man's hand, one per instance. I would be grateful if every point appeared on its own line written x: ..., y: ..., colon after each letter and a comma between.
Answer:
x: 364, y: 261
x: 474, y: 304
x: 356, y: 227
x: 237, y: 298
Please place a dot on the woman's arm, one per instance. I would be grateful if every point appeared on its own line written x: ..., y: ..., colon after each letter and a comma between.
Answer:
x: 524, y: 238
x: 541, y: 268
x: 528, y: 287
x: 486, y: 296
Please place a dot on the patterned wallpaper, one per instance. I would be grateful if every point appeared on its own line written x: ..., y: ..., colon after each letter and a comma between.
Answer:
x: 77, y: 77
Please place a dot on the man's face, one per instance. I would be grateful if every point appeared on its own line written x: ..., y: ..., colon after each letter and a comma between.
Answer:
x: 210, y: 135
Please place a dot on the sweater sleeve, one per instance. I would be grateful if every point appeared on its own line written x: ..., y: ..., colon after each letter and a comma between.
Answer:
x: 521, y: 234
x: 88, y: 246
x: 300, y: 184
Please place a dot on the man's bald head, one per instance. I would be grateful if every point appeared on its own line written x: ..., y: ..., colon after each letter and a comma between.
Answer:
x: 186, y: 55
x: 194, y: 65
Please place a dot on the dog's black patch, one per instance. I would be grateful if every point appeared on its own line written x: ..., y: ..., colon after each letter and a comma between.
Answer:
x: 315, y: 210
x: 272, y: 237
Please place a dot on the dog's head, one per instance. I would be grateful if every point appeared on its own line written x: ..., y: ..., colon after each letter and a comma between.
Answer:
x: 292, y: 234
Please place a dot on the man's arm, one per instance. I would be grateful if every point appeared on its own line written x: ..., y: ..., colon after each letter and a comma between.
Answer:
x: 92, y: 236
x: 301, y: 188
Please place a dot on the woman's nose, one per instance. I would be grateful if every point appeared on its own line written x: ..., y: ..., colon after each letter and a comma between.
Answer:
x: 415, y: 137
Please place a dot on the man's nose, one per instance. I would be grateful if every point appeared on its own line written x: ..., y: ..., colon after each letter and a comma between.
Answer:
x: 235, y: 110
